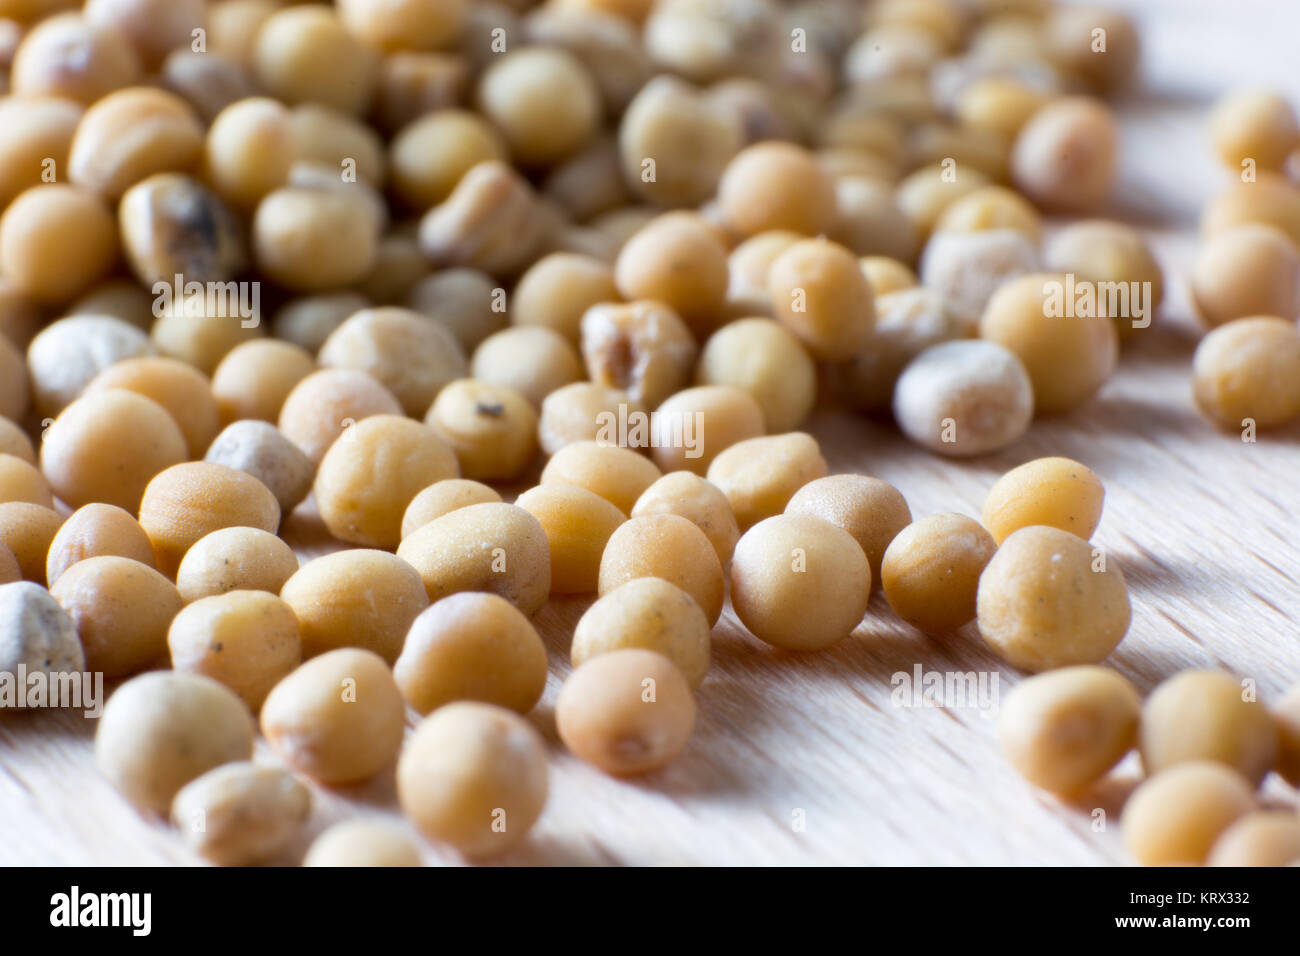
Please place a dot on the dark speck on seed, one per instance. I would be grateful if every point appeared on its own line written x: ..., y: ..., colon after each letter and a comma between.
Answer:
x: 494, y: 409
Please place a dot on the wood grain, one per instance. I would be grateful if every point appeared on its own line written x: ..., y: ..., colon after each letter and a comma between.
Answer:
x: 1202, y: 524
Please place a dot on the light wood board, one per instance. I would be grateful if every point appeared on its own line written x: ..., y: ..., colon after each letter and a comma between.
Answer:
x: 1202, y: 524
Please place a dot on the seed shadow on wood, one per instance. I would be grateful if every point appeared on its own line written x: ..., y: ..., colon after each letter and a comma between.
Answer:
x: 1171, y: 574
x: 1108, y: 794
x: 696, y: 773
x: 879, y: 647
x: 1154, y: 95
x: 691, y: 774
x: 1148, y: 665
x: 548, y: 849
x: 379, y: 791
x: 1120, y: 414
x: 304, y: 527
x: 1171, y: 339
x: 64, y: 724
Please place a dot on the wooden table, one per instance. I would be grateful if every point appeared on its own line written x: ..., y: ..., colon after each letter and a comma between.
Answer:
x: 807, y: 759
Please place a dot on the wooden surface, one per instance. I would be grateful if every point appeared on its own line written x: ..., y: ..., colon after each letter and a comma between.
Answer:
x: 1202, y: 524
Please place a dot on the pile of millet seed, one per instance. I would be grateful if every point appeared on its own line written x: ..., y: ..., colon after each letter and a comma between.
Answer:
x: 452, y: 239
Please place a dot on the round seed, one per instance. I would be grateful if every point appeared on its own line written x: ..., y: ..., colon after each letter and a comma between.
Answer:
x: 776, y: 186
x: 325, y: 403
x: 249, y: 150
x: 314, y: 240
x: 676, y: 259
x: 766, y: 360
x: 472, y: 647
x: 306, y: 55
x: 121, y: 609
x: 1248, y: 372
x: 369, y: 476
x: 759, y: 476
x: 1175, y: 817
x: 27, y: 530
x: 247, y: 640
x: 578, y: 524
x: 491, y: 428
x: 1251, y: 269
x: 628, y: 711
x: 664, y: 546
x: 187, y: 501
x: 235, y: 559
x: 355, y: 598
x: 647, y: 613
x: 1207, y: 715
x: 67, y: 56
x: 181, y: 389
x: 474, y: 776
x: 338, y: 718
x: 874, y: 512
x: 669, y: 117
x: 1254, y: 125
x: 584, y: 411
x: 619, y: 475
x: 442, y: 497
x: 1068, y: 356
x: 254, y: 379
x: 108, y: 446
x: 36, y: 634
x: 35, y: 129
x: 1099, y: 251
x: 559, y: 288
x: 363, y: 843
x: 799, y: 582
x: 430, y: 155
x: 1057, y: 492
x: 56, y: 241
x: 1065, y: 155
x: 22, y: 481
x: 820, y: 294
x: 1064, y: 730
x: 964, y: 398
x: 544, y: 102
x: 1048, y: 599
x: 131, y: 134
x: 492, y: 547
x: 240, y: 814
x: 930, y: 571
x: 161, y: 730
x: 698, y: 501
x: 1262, y: 838
x: 263, y: 451
x: 967, y: 268
x: 533, y: 361
x: 96, y: 530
